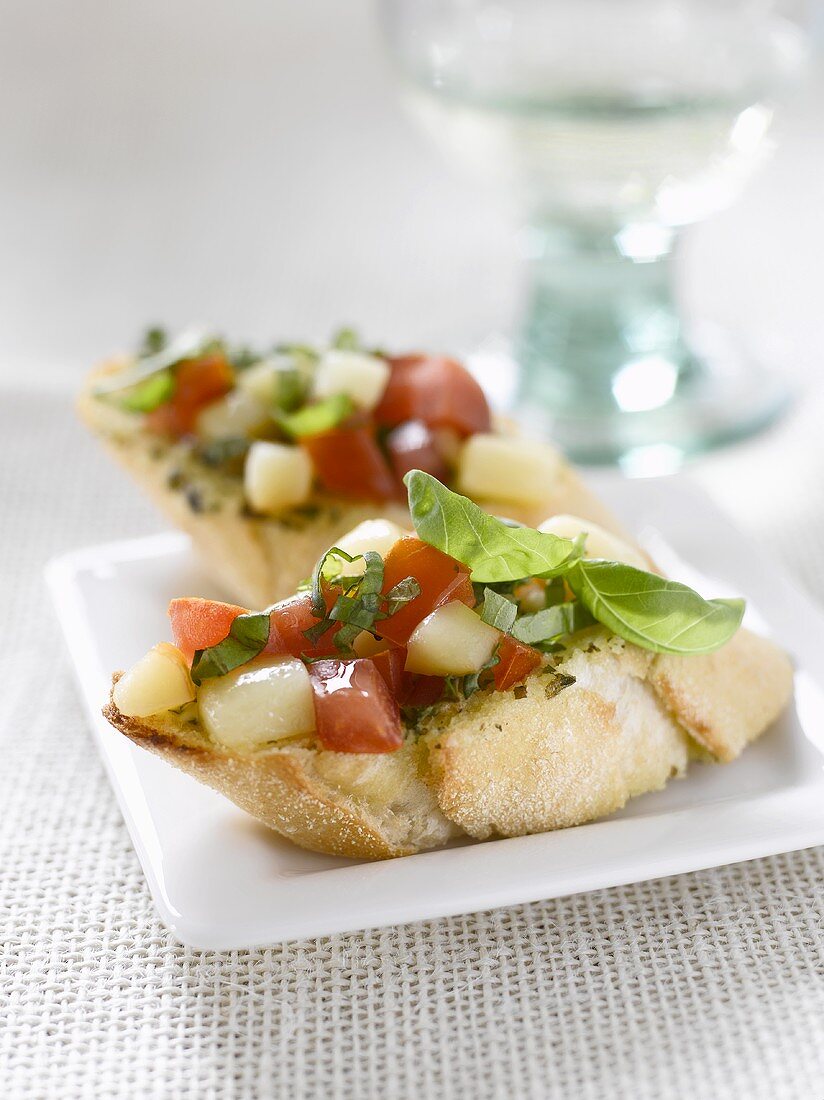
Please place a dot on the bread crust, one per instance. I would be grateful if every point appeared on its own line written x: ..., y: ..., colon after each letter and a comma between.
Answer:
x: 255, y: 560
x: 280, y: 787
x: 725, y: 699
x: 572, y: 744
x: 258, y: 560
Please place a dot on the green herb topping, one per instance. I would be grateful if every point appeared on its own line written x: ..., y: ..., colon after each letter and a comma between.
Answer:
x: 492, y: 549
x: 643, y: 608
x: 319, y: 417
x: 652, y: 612
x: 149, y: 382
x: 361, y: 605
x: 247, y: 637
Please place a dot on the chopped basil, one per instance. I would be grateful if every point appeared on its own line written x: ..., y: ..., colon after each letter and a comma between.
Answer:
x: 318, y: 602
x: 360, y: 608
x: 154, y: 340
x: 189, y: 345
x: 552, y: 623
x: 400, y: 594
x: 319, y: 417
x: 653, y: 612
x: 299, y: 352
x: 493, y: 550
x: 346, y: 339
x: 290, y: 390
x: 220, y: 452
x: 247, y: 637
x: 243, y: 357
x: 460, y: 688
x: 361, y: 605
x: 558, y: 682
x: 498, y: 610
x: 149, y: 394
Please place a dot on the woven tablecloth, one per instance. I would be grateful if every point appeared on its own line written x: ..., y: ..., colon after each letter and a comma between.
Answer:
x: 704, y: 985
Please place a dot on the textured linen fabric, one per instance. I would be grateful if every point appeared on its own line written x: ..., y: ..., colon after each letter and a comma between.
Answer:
x: 709, y: 984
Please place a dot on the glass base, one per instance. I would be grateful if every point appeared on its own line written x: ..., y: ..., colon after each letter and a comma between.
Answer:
x: 659, y: 409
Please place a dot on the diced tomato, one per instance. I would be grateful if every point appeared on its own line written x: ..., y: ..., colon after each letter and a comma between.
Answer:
x: 516, y: 661
x: 407, y: 688
x: 441, y: 579
x: 436, y: 390
x: 290, y: 618
x: 197, y: 383
x: 354, y: 709
x: 348, y: 462
x: 421, y: 691
x: 198, y: 624
x: 390, y: 664
x: 413, y: 446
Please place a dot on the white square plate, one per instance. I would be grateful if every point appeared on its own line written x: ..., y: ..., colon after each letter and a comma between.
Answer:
x: 222, y: 881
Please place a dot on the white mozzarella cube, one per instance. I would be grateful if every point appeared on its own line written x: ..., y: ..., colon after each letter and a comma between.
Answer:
x: 517, y: 471
x: 361, y: 377
x: 367, y: 645
x: 238, y: 415
x: 263, y: 701
x: 276, y: 476
x: 600, y: 543
x: 373, y: 534
x: 451, y: 641
x: 159, y: 681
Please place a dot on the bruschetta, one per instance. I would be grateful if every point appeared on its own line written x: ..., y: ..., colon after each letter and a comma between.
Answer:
x: 265, y: 460
x: 473, y: 678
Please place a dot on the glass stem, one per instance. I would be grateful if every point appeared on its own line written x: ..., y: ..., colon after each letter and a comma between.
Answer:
x: 602, y: 333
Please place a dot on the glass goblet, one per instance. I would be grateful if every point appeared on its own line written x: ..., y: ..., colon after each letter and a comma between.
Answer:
x: 614, y: 123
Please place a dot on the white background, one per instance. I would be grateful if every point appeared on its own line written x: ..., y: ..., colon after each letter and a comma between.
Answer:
x: 247, y: 166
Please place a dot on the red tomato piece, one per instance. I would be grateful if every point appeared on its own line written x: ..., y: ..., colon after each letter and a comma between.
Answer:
x: 390, y: 665
x: 436, y: 390
x: 290, y: 618
x: 348, y: 462
x: 421, y: 691
x: 413, y: 446
x: 516, y: 661
x: 408, y: 688
x: 198, y: 382
x: 354, y: 709
x: 441, y: 579
x: 198, y: 624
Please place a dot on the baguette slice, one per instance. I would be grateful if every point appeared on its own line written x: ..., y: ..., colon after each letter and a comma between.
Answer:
x: 572, y: 744
x: 258, y: 560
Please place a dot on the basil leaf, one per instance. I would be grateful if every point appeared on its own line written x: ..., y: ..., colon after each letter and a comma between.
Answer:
x: 243, y: 357
x: 652, y: 612
x: 399, y: 596
x: 318, y: 602
x: 290, y: 390
x: 149, y: 394
x: 359, y: 609
x: 154, y: 340
x: 320, y: 417
x: 189, y: 345
x: 498, y: 611
x: 460, y: 688
x: 552, y: 622
x: 301, y: 354
x: 220, y: 452
x: 346, y: 339
x: 247, y: 637
x: 493, y: 550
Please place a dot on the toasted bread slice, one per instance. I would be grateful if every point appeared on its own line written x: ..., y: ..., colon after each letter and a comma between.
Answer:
x: 257, y: 560
x: 571, y: 744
